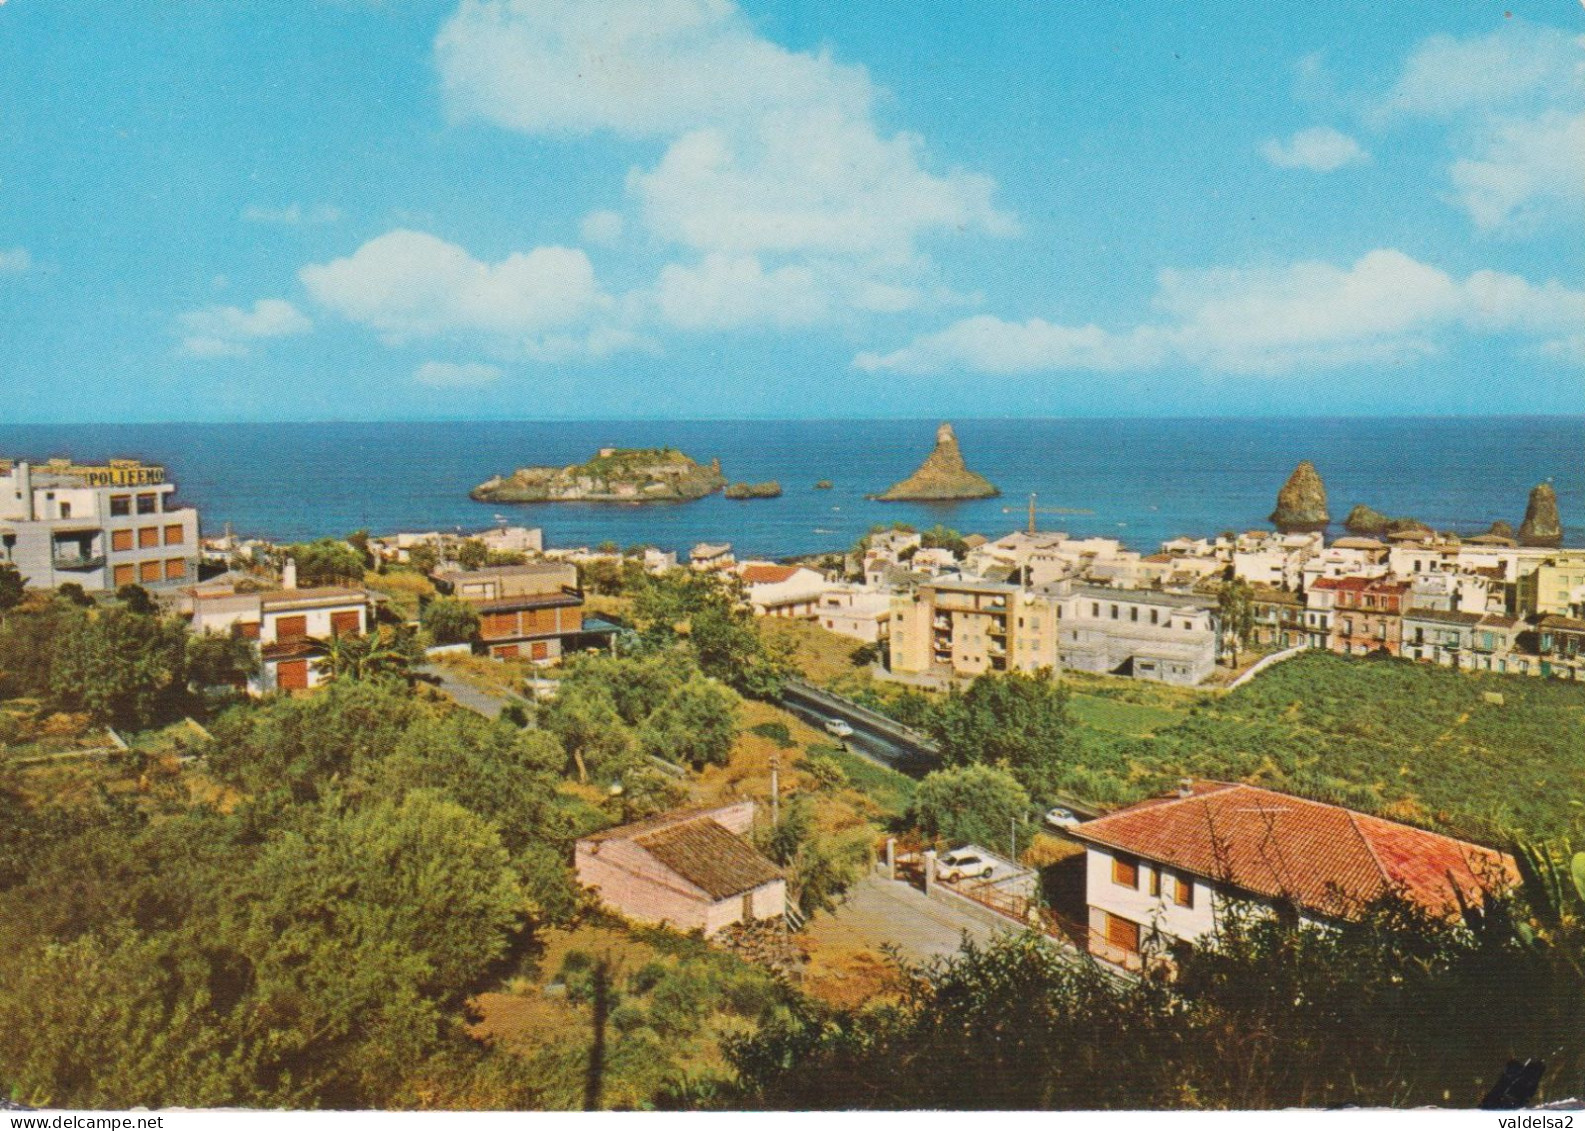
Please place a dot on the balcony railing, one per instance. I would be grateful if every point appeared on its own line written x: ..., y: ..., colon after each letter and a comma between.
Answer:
x: 78, y: 562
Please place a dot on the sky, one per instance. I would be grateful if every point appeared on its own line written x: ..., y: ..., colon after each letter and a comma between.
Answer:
x: 735, y: 209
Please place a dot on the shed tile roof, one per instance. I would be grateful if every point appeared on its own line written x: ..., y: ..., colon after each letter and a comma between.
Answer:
x: 1325, y: 858
x: 1444, y: 616
x: 768, y: 574
x: 707, y: 855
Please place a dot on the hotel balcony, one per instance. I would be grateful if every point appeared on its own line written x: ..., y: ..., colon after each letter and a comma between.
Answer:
x: 78, y: 562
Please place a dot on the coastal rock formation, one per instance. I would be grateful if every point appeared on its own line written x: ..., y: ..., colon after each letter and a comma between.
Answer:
x: 1301, y: 504
x: 615, y: 475
x: 943, y: 477
x: 1366, y: 521
x: 1369, y: 522
x: 1500, y: 529
x: 823, y: 485
x: 1542, y: 526
x: 770, y: 489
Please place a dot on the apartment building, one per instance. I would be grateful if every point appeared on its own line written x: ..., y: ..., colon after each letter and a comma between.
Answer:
x: 1365, y: 613
x: 782, y: 590
x: 952, y: 627
x: 861, y: 613
x: 532, y: 611
x: 1556, y: 587
x: 101, y: 527
x: 1472, y: 640
x: 1279, y: 617
x: 1168, y: 637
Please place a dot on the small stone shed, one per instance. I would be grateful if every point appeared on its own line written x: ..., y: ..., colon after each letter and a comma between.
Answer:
x: 690, y: 869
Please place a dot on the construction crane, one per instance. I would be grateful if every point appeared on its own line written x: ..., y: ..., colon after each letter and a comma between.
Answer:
x: 1034, y: 510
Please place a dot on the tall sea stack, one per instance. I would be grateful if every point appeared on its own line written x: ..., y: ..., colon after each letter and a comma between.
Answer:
x: 943, y: 476
x: 1542, y: 525
x: 1301, y: 504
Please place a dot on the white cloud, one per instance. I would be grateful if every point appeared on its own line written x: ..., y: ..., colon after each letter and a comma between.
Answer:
x: 1513, y: 101
x: 1386, y: 306
x: 603, y: 228
x: 771, y: 155
x: 639, y: 68
x: 452, y: 375
x: 229, y: 331
x: 1320, y: 149
x: 16, y: 261
x: 292, y: 214
x: 723, y: 292
x: 409, y: 284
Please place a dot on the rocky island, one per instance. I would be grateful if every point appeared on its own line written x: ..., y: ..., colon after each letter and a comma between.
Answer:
x: 943, y: 477
x: 1542, y: 525
x: 770, y: 489
x: 615, y: 475
x: 1301, y: 504
x: 1369, y: 522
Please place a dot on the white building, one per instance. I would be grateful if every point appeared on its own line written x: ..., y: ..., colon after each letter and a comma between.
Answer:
x: 851, y: 610
x: 290, y: 627
x: 100, y: 527
x: 1164, y: 871
x: 711, y: 556
x: 1137, y: 632
x: 782, y: 590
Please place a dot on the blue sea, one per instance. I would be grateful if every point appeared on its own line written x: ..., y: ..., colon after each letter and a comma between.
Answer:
x: 1144, y: 480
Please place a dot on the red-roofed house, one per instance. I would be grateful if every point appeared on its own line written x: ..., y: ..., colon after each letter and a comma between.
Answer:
x: 1170, y: 864
x: 782, y: 590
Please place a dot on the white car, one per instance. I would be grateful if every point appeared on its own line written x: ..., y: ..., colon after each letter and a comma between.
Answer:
x: 1060, y: 818
x: 838, y: 728
x: 964, y: 863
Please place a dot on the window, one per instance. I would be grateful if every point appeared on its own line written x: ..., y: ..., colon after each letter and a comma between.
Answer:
x: 120, y: 505
x: 1122, y: 933
x: 175, y: 568
x: 1155, y: 616
x: 347, y: 623
x: 1155, y: 881
x: 148, y: 536
x: 1114, y: 612
x: 148, y: 504
x: 1182, y: 891
x: 1125, y: 871
x: 120, y: 540
x: 1133, y: 614
x: 125, y: 575
x: 174, y: 535
x: 1095, y: 608
x: 148, y: 571
x: 66, y: 510
x: 291, y: 628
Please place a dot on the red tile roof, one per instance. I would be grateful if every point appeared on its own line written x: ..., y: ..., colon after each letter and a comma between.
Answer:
x: 710, y: 857
x: 768, y: 574
x: 1358, y: 584
x: 1325, y: 858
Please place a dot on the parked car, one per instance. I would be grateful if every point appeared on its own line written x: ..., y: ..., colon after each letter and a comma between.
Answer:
x: 1060, y: 818
x: 838, y: 728
x: 963, y: 863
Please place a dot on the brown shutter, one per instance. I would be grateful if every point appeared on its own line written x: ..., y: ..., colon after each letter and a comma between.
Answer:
x: 175, y: 568
x: 292, y: 675
x: 148, y: 536
x: 291, y: 628
x: 125, y: 575
x: 173, y: 534
x: 348, y: 623
x: 148, y: 571
x: 1122, y: 933
x: 1125, y: 871
x: 120, y: 540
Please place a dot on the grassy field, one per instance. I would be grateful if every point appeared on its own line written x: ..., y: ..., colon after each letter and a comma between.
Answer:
x: 822, y: 657
x: 1405, y: 740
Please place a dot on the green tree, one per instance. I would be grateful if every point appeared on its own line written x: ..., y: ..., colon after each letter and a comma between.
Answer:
x: 450, y: 620
x: 940, y: 537
x: 697, y: 725
x: 121, y: 667
x: 1235, y: 606
x: 12, y: 587
x: 216, y: 660
x: 423, y: 557
x: 327, y: 561
x: 971, y: 805
x: 375, y: 655
x: 1018, y: 722
x: 596, y: 740
x: 473, y: 554
x: 602, y: 575
x: 136, y: 599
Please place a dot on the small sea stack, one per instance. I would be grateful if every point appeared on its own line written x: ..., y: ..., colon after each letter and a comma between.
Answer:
x: 1301, y: 504
x: 1542, y: 525
x: 943, y: 477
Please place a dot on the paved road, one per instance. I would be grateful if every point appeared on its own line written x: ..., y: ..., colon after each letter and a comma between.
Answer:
x: 878, y: 910
x: 466, y: 695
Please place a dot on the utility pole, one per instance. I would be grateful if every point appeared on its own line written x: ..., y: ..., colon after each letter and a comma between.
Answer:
x: 775, y: 791
x: 1012, y: 831
x: 1031, y: 512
